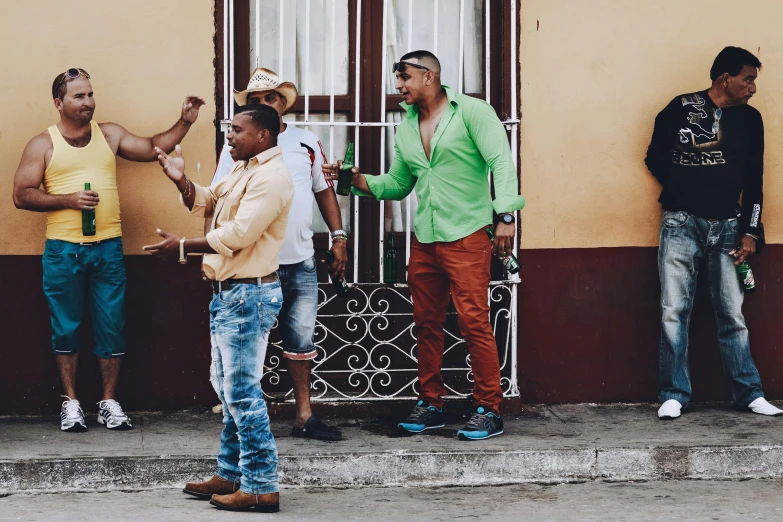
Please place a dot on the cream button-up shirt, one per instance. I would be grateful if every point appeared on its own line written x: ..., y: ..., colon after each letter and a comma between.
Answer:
x: 249, y: 211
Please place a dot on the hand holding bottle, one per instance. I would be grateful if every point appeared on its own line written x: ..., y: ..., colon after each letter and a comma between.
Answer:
x: 84, y: 200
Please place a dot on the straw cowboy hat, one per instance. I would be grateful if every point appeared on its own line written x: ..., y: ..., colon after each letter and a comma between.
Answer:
x: 263, y: 80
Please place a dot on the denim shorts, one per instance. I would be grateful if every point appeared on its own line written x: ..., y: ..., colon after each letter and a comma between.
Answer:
x: 296, y: 321
x: 73, y: 271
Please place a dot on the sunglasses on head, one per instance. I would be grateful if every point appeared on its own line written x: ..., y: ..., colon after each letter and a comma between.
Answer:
x: 72, y: 73
x: 400, y: 66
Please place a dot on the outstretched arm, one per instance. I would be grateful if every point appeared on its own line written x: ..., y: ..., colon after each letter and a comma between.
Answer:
x: 28, y: 194
x: 136, y: 148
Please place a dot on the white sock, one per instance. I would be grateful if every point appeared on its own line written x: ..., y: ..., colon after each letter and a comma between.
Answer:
x: 669, y: 409
x: 762, y: 407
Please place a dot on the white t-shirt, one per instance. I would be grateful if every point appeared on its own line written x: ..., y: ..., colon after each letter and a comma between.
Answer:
x: 304, y: 156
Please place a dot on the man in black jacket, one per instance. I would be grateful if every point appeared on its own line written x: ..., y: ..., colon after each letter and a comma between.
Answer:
x: 707, y: 150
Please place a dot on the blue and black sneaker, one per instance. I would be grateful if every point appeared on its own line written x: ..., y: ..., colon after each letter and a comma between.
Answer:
x: 482, y: 424
x: 423, y: 417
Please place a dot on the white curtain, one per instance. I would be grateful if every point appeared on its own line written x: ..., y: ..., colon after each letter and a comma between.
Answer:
x: 318, y: 81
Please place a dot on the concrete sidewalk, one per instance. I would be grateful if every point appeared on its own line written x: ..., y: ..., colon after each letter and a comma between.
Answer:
x: 552, y: 444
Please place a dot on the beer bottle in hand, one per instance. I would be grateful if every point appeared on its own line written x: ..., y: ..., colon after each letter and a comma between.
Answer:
x: 390, y: 262
x: 88, y: 218
x: 340, y: 285
x: 510, y: 260
x: 345, y: 175
x: 746, y: 278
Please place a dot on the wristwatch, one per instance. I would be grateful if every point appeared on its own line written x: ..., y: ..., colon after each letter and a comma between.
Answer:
x: 507, y: 218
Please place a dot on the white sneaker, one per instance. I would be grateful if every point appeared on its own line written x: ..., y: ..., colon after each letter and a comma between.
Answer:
x: 762, y: 407
x: 71, y: 416
x: 669, y: 410
x: 111, y: 414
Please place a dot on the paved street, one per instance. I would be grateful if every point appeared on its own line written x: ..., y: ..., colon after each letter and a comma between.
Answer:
x: 651, y: 501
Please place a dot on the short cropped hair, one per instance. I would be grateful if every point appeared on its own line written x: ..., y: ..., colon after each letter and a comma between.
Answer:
x: 263, y: 116
x: 421, y: 55
x: 60, y: 85
x: 731, y: 60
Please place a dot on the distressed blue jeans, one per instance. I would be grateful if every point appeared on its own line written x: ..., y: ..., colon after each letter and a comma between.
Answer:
x: 688, y: 244
x: 240, y: 321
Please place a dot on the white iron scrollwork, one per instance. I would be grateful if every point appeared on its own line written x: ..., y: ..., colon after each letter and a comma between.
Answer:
x: 367, y: 347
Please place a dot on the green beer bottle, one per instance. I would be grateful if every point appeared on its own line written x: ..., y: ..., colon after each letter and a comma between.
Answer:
x: 390, y: 261
x: 509, y: 261
x: 746, y: 278
x: 340, y: 285
x: 88, y: 218
x: 344, y: 178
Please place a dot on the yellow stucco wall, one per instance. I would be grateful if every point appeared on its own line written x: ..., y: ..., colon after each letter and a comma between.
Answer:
x: 144, y: 57
x: 594, y: 73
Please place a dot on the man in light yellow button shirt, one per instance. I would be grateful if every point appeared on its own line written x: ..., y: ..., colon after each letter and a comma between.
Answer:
x: 249, y: 212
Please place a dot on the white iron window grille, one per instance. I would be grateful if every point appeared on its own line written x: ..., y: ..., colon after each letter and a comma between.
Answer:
x: 366, y: 341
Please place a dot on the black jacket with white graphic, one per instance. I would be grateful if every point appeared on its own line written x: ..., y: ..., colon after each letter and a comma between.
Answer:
x: 706, y: 157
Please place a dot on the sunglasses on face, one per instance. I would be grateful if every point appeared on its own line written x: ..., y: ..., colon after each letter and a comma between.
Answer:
x: 400, y: 66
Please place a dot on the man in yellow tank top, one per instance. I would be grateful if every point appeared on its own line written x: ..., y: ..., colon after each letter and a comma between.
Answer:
x: 63, y: 159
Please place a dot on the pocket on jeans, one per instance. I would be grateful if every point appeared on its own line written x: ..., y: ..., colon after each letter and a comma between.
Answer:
x: 232, y: 296
x: 54, y: 247
x: 675, y: 219
x: 308, y: 265
x: 478, y: 243
x: 733, y: 224
x: 269, y: 307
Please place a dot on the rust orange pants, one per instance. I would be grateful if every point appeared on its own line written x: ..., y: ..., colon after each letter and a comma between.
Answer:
x: 459, y: 269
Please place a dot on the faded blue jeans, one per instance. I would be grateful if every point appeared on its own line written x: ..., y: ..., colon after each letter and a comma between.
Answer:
x: 688, y: 244
x: 240, y: 321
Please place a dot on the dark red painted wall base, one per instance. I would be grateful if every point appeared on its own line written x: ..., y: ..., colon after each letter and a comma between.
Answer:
x: 167, y: 335
x: 589, y: 327
x: 588, y: 333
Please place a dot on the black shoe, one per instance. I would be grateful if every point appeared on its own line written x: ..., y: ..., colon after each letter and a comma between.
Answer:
x: 315, y: 429
x: 423, y: 417
x: 482, y: 424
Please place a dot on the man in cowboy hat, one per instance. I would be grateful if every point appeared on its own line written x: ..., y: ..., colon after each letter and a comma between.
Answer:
x: 304, y: 156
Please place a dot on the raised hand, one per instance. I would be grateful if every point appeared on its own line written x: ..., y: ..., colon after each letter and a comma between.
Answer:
x: 173, y: 165
x: 84, y: 200
x: 190, y: 109
x: 168, y: 247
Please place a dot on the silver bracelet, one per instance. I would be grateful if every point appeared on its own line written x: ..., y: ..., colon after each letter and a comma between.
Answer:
x: 186, y: 192
x: 182, y: 257
x: 339, y: 233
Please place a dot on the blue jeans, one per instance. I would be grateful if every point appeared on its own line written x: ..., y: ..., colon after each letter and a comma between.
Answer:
x: 689, y: 243
x: 240, y: 320
x: 300, y: 309
x: 72, y: 271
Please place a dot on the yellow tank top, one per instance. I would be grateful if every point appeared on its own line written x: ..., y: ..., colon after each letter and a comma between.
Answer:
x: 69, y: 169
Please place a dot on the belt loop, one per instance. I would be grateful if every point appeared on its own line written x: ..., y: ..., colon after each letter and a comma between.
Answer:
x: 220, y: 287
x: 258, y: 281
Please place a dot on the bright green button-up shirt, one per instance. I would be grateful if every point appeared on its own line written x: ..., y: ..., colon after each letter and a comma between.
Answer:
x: 452, y: 186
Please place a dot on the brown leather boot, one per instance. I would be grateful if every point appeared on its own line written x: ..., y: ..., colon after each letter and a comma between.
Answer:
x: 241, y: 501
x: 214, y: 486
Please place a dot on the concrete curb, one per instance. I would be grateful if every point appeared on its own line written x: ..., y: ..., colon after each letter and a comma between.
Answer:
x: 400, y: 468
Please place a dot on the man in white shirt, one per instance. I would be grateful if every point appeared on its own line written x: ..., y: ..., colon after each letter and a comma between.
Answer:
x: 303, y: 156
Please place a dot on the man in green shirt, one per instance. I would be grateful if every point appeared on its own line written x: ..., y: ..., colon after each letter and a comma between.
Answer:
x: 444, y: 148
